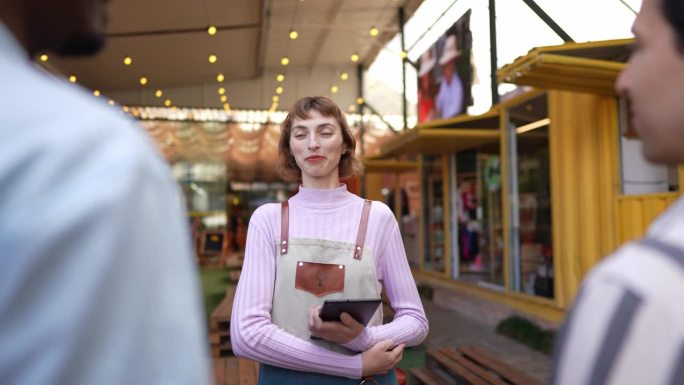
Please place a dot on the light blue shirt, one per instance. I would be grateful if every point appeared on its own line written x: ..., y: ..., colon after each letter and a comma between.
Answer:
x: 449, y: 100
x: 97, y: 282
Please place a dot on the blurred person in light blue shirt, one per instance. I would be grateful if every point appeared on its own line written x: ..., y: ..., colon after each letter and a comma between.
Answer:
x: 449, y: 100
x: 97, y: 283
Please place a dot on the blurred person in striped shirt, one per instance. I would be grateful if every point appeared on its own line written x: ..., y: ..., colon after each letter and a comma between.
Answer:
x: 627, y: 323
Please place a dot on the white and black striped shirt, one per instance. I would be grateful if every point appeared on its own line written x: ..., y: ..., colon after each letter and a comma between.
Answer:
x: 627, y: 323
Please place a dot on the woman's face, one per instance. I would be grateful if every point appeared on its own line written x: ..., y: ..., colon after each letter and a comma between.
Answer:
x: 317, y: 146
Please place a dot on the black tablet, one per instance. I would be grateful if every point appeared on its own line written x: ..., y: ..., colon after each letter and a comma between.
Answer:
x: 361, y: 310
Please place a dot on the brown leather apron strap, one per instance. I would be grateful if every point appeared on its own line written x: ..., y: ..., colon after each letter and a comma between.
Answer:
x: 361, y: 236
x: 284, y: 227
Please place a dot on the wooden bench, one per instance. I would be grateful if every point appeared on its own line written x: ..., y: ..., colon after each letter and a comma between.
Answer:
x: 235, y: 371
x: 426, y: 377
x: 219, y: 325
x: 468, y: 365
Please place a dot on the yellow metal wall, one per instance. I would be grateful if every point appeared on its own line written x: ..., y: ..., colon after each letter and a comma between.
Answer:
x: 584, y: 186
x: 590, y: 217
x: 636, y: 212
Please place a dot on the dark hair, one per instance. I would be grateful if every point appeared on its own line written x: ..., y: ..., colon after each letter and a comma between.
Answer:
x: 349, y: 166
x: 673, y: 11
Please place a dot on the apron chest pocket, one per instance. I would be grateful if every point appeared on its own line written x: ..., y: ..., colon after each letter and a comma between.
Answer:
x: 319, y: 279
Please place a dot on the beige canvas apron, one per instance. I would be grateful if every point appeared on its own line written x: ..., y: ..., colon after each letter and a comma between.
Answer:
x: 309, y: 271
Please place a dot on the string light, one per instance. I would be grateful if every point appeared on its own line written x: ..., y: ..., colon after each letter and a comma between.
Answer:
x: 352, y: 108
x: 404, y: 55
x: 96, y: 93
x: 72, y: 78
x: 211, y: 30
x: 128, y: 60
x: 158, y: 93
x: 354, y: 58
x: 275, y: 98
x: 167, y: 102
x: 279, y: 90
x: 285, y: 61
x: 293, y: 35
x: 212, y: 59
x: 143, y: 80
x: 220, y: 78
x: 334, y: 89
x: 344, y: 76
x: 111, y: 102
x: 43, y: 57
x: 221, y: 91
x: 373, y: 31
x: 359, y: 100
x: 223, y: 98
x: 280, y: 77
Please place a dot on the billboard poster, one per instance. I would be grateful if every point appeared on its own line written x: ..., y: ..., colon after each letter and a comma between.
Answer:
x: 445, y: 74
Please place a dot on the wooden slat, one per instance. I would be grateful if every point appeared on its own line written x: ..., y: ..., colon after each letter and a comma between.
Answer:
x: 506, y: 371
x: 455, y: 369
x: 220, y: 317
x: 473, y: 367
x: 248, y: 371
x: 221, y: 350
x: 217, y: 337
x: 226, y: 371
x: 219, y: 365
x: 425, y: 377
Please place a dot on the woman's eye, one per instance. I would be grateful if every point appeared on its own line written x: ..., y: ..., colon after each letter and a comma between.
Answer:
x: 299, y: 136
x: 326, y: 134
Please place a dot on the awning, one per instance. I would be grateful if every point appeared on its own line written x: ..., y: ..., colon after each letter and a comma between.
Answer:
x: 489, y: 119
x: 436, y: 141
x: 382, y: 165
x: 582, y: 67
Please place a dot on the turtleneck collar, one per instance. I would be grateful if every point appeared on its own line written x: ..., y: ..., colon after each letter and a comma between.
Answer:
x: 332, y: 197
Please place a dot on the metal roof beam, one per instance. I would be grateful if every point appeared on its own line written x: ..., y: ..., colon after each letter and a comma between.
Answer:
x: 549, y: 21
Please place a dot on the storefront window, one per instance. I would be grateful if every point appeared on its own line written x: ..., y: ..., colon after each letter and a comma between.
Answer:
x: 434, y: 259
x: 203, y: 185
x: 530, y: 196
x: 478, y: 233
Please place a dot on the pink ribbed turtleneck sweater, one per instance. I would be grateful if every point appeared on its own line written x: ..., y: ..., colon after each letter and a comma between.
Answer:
x: 331, y: 214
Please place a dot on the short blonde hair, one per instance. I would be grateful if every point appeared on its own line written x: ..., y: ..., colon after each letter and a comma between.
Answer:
x: 349, y: 166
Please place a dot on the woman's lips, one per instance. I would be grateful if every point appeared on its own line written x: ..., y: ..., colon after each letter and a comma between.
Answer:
x: 314, y: 158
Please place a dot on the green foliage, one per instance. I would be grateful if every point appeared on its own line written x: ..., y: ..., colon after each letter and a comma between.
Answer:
x: 214, y: 285
x: 527, y: 333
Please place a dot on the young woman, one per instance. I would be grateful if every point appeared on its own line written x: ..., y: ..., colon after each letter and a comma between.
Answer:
x: 324, y: 243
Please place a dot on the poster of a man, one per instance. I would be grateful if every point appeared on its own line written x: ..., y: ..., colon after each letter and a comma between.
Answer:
x: 450, y: 97
x: 445, y: 74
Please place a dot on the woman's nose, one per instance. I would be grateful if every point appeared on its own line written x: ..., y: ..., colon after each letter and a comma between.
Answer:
x: 313, y: 142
